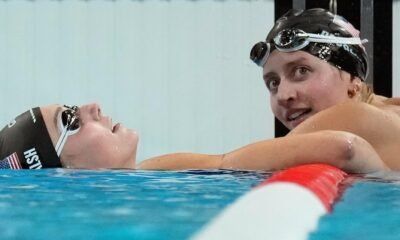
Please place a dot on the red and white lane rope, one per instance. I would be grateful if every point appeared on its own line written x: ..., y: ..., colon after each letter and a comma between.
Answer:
x: 288, y: 205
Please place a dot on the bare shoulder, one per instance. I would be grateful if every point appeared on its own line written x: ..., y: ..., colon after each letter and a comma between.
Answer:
x: 392, y: 101
x: 359, y: 118
x: 390, y: 104
x: 378, y: 123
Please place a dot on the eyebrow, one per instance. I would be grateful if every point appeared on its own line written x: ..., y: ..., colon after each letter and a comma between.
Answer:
x: 269, y: 75
x: 286, y: 66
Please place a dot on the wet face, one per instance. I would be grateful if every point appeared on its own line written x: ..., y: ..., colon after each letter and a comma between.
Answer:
x: 99, y: 143
x: 302, y: 85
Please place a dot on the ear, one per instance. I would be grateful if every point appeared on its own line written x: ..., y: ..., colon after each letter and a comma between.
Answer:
x: 354, y: 89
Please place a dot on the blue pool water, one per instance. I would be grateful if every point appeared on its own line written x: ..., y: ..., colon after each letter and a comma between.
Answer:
x: 369, y: 209
x: 77, y: 204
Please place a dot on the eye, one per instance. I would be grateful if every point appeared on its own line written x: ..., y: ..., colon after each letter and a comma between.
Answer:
x: 272, y: 84
x: 300, y: 71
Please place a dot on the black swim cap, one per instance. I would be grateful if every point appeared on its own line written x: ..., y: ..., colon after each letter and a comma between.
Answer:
x: 25, y: 143
x: 351, y: 58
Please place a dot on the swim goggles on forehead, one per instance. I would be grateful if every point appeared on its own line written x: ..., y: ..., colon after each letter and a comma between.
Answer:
x: 68, y: 124
x: 290, y: 40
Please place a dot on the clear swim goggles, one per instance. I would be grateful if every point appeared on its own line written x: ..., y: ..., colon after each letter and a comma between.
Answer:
x: 68, y: 124
x: 290, y: 40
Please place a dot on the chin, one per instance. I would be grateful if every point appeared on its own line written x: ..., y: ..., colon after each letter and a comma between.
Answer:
x: 288, y: 125
x: 134, y: 137
x: 132, y: 158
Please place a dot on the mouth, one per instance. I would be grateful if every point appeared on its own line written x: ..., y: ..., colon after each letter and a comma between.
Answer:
x: 298, y: 115
x: 115, y: 127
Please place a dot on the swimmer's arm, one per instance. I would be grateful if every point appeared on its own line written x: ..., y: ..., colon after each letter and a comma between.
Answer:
x: 380, y: 128
x: 343, y: 150
x: 340, y: 149
x: 179, y: 161
x: 361, y: 119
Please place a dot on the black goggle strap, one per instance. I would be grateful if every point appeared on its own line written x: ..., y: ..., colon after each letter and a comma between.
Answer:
x: 68, y: 124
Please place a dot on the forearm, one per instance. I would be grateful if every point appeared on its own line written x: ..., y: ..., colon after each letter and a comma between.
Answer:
x: 343, y: 150
x: 182, y: 161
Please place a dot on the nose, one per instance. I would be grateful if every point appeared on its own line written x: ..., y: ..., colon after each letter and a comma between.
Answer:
x: 286, y: 93
x: 91, y: 111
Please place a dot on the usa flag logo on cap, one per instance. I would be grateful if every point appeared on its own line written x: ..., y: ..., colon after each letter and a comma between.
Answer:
x: 11, y: 162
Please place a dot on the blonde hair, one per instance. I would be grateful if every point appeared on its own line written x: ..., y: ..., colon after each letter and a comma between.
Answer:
x: 366, y: 93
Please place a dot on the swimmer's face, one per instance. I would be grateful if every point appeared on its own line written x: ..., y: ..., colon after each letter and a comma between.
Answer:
x: 302, y: 85
x: 98, y: 143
